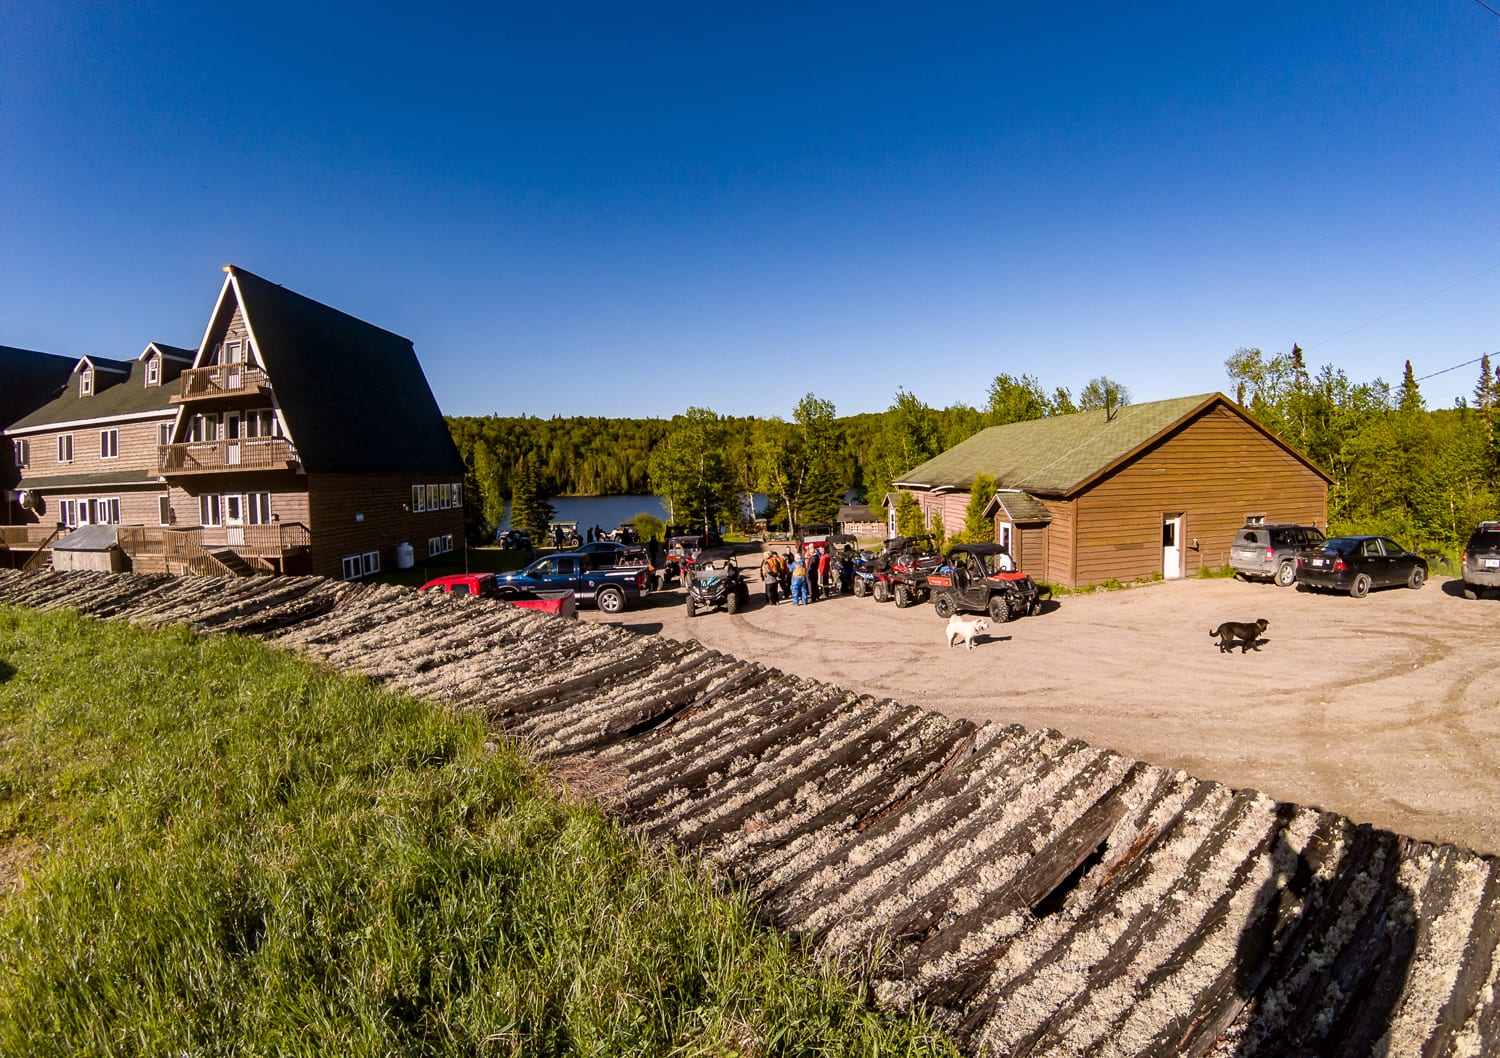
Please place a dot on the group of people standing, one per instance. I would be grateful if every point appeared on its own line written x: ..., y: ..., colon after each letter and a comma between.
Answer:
x: 802, y: 578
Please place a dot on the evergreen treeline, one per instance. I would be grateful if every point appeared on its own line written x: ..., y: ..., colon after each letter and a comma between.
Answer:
x: 1422, y: 477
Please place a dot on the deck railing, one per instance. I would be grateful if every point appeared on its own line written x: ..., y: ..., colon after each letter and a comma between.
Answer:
x: 240, y: 453
x: 221, y: 380
x: 26, y: 537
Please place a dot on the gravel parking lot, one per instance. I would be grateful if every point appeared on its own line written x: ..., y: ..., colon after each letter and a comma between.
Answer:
x: 1385, y: 709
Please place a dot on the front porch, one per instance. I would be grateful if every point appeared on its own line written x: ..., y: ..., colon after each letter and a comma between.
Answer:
x: 233, y: 550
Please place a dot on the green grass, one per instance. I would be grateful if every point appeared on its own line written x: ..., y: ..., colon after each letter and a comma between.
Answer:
x: 211, y: 848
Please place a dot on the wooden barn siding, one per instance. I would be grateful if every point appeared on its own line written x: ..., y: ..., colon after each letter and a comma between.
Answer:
x: 288, y: 495
x: 1215, y: 470
x: 137, y: 448
x: 952, y: 505
x: 1031, y: 550
x: 334, y: 499
x: 1057, y: 566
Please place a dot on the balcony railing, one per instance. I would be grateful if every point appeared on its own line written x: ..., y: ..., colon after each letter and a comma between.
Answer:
x: 221, y: 380
x: 240, y: 453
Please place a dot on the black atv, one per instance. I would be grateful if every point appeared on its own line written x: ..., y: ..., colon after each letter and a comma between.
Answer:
x: 716, y: 581
x: 896, y: 564
x: 979, y: 578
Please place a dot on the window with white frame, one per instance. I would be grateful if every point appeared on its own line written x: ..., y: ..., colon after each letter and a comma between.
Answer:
x: 65, y: 448
x: 234, y: 353
x: 22, y: 452
x: 67, y: 513
x: 109, y: 444
x: 260, y: 423
x: 447, y: 497
x: 370, y: 562
x: 86, y: 382
x: 351, y: 567
x: 108, y: 511
x: 204, y: 428
x: 418, y: 498
x: 164, y: 510
x: 164, y: 433
x: 258, y: 508
x: 210, y: 510
x: 153, y: 371
x: 458, y: 494
x: 432, y: 497
x: 439, y: 545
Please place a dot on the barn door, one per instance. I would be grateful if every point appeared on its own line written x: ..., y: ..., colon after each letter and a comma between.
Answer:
x: 1171, y: 546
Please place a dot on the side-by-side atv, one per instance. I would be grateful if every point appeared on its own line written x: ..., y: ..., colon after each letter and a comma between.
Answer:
x: 978, y: 578
x: 715, y: 581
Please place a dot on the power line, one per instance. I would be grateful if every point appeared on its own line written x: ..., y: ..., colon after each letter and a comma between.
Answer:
x: 1455, y: 367
x: 1488, y: 8
x: 1410, y: 304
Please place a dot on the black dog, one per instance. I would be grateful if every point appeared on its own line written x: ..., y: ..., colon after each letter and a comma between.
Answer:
x: 1246, y: 635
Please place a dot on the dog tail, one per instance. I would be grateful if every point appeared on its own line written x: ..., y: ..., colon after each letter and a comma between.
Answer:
x: 1215, y: 633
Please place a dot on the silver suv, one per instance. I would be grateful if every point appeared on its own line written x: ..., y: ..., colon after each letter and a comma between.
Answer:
x: 1269, y: 552
x: 1482, y: 560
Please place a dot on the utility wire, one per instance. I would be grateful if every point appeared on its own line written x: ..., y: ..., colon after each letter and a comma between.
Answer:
x: 1410, y: 304
x: 1488, y: 8
x: 1455, y: 367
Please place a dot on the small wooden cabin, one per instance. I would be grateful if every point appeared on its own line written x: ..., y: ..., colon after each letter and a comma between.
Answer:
x: 1145, y: 489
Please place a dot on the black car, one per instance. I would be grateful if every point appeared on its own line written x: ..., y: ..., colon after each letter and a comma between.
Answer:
x: 1482, y: 560
x: 716, y: 581
x: 1358, y: 563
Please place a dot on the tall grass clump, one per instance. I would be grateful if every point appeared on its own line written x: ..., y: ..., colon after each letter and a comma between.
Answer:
x: 208, y: 847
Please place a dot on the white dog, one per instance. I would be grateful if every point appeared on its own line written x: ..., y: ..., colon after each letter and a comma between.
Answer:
x: 960, y: 628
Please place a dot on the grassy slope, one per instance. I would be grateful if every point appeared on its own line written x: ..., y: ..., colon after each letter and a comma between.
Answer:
x: 209, y: 847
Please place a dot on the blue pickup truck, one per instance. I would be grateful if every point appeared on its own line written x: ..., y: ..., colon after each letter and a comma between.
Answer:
x: 610, y: 588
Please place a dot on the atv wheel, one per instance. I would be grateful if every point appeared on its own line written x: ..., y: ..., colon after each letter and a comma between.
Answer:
x: 861, y: 589
x: 732, y: 603
x: 942, y: 605
x: 882, y: 592
x: 999, y: 609
x: 692, y: 607
x: 903, y: 596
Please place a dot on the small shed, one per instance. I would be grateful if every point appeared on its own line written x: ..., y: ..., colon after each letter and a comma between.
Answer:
x: 89, y: 547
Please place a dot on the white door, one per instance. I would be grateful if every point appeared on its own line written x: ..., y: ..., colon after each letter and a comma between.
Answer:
x: 232, y: 438
x: 234, y: 520
x: 1171, y: 546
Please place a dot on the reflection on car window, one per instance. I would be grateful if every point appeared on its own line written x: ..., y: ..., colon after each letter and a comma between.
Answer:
x: 1372, y: 549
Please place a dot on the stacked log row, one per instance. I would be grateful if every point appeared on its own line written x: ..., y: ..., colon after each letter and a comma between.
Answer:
x: 1042, y: 896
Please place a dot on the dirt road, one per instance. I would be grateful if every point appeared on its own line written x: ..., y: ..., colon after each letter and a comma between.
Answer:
x: 1385, y: 709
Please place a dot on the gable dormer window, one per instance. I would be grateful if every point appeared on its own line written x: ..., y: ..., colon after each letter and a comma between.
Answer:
x: 86, y: 382
x: 234, y: 353
x: 153, y: 371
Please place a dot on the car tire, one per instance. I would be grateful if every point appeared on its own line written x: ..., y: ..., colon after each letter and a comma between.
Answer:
x: 610, y: 600
x: 1361, y: 586
x: 1286, y: 575
x: 732, y: 603
x: 1470, y: 593
x: 903, y: 596
x: 1418, y: 577
x: 942, y: 605
x: 999, y: 609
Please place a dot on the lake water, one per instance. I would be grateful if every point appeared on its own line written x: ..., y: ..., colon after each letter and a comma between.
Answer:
x: 609, y: 511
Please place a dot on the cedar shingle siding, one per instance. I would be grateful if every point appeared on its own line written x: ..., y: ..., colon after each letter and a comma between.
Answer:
x: 1108, y: 490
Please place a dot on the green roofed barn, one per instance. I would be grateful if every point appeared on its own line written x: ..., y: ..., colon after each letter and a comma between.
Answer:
x: 1144, y: 489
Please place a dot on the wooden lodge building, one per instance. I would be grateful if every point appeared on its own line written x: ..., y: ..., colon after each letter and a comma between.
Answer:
x: 1146, y: 489
x: 294, y: 438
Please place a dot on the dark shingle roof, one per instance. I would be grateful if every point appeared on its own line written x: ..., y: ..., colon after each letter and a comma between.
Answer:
x: 32, y: 379
x: 1020, y: 506
x: 354, y: 395
x: 126, y: 394
x: 1060, y: 454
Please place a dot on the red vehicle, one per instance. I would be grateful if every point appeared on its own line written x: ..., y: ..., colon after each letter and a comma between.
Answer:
x: 981, y: 578
x: 484, y: 586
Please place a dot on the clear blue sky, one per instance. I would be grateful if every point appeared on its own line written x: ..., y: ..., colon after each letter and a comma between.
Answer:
x: 624, y: 209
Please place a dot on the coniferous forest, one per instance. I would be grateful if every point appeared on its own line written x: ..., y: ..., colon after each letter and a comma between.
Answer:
x: 1423, y: 476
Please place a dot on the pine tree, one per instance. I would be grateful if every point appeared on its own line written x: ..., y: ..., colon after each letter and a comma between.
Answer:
x: 977, y: 528
x: 1410, y: 399
x: 529, y: 511
x: 908, y: 515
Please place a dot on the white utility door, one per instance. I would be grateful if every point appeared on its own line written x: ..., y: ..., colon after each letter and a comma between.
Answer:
x: 234, y: 520
x: 232, y: 452
x: 1171, y: 546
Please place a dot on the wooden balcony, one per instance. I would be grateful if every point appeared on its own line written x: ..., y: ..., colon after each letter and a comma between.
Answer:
x: 217, y: 457
x: 200, y: 549
x: 221, y: 380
